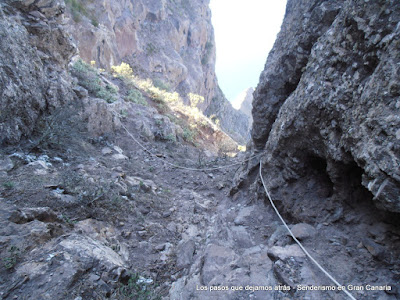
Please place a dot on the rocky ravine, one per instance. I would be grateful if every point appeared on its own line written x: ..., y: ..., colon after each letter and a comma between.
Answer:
x: 83, y: 208
x: 87, y: 213
x: 171, y: 42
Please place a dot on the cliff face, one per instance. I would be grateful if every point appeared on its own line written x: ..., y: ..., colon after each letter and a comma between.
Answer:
x: 171, y: 42
x: 328, y: 103
x: 33, y: 76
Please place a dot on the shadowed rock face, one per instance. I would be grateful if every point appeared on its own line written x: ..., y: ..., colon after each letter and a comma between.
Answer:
x: 169, y: 41
x: 328, y: 98
x: 305, y: 22
x: 34, y: 53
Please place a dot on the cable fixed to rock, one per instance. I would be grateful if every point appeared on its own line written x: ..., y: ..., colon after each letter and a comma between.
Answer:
x: 298, y: 242
x: 178, y: 166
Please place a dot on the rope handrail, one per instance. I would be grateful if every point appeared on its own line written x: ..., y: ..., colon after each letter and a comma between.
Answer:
x: 266, y: 191
x: 298, y: 242
x: 178, y: 166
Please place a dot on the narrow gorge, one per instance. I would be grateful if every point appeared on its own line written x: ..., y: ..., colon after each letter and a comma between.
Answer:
x: 120, y: 170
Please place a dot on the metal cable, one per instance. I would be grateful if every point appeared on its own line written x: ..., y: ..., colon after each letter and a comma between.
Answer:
x: 266, y: 190
x: 182, y: 167
x: 298, y: 242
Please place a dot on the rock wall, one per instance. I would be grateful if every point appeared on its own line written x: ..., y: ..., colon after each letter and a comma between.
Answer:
x: 327, y: 107
x: 33, y: 76
x: 171, y: 42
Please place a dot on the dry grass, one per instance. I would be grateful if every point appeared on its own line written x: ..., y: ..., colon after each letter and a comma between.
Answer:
x: 195, y: 125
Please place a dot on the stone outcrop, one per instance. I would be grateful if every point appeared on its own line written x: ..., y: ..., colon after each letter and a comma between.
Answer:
x: 171, y: 42
x: 327, y: 102
x: 52, y: 252
x: 33, y: 77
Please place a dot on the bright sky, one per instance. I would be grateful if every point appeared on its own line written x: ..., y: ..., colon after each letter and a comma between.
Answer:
x: 245, y: 32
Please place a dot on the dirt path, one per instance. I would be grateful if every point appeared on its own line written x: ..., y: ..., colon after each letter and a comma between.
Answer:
x: 82, y: 225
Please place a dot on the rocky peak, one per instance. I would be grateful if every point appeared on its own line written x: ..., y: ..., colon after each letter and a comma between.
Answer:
x: 305, y: 22
x: 326, y: 113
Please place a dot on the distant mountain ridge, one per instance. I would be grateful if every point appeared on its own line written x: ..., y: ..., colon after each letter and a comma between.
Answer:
x: 244, y: 102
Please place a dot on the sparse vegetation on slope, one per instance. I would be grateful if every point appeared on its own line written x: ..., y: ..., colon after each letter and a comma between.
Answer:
x: 137, y: 288
x: 78, y: 10
x: 90, y: 79
x: 192, y: 121
x: 136, y: 96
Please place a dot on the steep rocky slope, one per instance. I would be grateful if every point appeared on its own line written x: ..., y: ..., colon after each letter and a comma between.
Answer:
x: 171, y: 42
x: 33, y: 76
x: 84, y: 205
x: 83, y: 221
x: 234, y: 122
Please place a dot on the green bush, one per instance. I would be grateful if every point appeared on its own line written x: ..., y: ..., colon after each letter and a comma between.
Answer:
x: 94, y: 21
x: 89, y: 79
x: 137, y: 289
x: 102, y: 196
x: 76, y: 5
x: 170, y: 137
x: 55, y: 131
x: 150, y: 49
x: 11, y: 260
x: 208, y: 48
x: 9, y: 185
x: 123, y: 113
x: 136, y: 96
x: 78, y: 9
x: 188, y: 134
x: 161, y: 85
x: 108, y: 93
